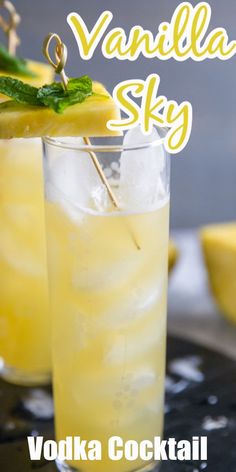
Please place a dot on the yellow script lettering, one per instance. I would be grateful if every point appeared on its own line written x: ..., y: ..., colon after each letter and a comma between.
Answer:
x: 179, y: 117
x: 125, y: 103
x: 154, y: 111
x: 184, y: 37
x: 87, y: 42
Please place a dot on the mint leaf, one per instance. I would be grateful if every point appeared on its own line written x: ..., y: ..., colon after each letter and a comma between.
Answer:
x: 56, y: 97
x: 13, y: 64
x: 84, y: 84
x: 52, y: 96
x: 19, y: 91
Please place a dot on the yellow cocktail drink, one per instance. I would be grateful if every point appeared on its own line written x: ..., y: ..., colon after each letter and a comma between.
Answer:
x: 24, y: 317
x: 108, y: 284
x: 109, y: 322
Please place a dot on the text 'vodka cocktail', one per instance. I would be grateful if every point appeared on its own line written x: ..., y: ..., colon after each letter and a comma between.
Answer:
x: 108, y: 283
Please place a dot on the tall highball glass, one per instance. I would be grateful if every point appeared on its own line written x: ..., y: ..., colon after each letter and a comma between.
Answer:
x: 25, y: 348
x: 108, y: 286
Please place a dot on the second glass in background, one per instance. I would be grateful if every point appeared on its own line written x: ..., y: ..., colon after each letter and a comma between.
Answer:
x: 25, y: 346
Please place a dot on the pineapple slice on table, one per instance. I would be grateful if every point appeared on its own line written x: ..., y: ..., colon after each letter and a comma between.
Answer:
x: 219, y: 249
x: 88, y: 118
x: 173, y: 255
x: 43, y: 74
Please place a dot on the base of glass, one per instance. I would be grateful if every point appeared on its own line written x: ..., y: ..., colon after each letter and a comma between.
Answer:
x: 26, y: 379
x: 150, y: 467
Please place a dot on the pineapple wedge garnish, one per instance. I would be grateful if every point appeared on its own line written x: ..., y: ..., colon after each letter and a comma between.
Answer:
x: 44, y: 74
x: 219, y: 249
x: 88, y: 118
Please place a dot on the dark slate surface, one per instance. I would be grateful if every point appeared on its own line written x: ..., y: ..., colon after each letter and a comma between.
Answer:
x: 200, y: 400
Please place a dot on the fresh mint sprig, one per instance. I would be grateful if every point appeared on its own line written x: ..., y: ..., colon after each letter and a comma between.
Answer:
x: 56, y: 97
x: 13, y: 64
x: 19, y: 91
x: 53, y: 96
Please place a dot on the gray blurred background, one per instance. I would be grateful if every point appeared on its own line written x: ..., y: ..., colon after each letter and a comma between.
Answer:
x: 204, y: 174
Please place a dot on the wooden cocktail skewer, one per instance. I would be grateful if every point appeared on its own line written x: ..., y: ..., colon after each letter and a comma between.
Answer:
x: 59, y: 65
x: 11, y: 27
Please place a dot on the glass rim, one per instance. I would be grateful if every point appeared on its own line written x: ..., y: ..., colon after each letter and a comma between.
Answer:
x: 57, y: 142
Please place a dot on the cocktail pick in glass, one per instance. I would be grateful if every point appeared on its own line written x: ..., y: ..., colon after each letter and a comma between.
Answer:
x: 59, y: 66
x: 10, y: 27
